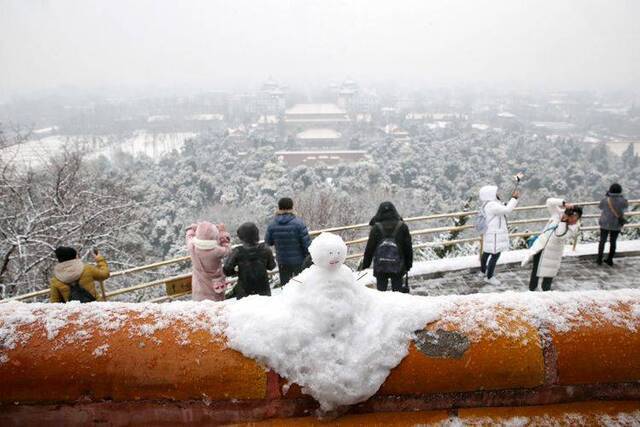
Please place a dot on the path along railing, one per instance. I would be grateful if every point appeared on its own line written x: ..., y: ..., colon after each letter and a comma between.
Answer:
x: 106, y: 294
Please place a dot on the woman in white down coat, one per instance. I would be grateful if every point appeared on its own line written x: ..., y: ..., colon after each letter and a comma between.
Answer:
x: 496, y: 237
x: 549, y: 246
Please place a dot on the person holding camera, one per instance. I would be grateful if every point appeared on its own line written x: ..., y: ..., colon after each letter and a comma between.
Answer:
x: 208, y: 244
x: 611, y: 221
x: 74, y: 280
x: 495, y: 238
x: 548, y: 248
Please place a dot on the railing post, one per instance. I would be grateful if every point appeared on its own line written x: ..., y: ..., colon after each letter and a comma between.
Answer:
x: 104, y: 294
x: 575, y: 240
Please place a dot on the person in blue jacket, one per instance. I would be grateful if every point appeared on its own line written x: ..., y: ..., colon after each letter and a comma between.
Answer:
x: 290, y: 236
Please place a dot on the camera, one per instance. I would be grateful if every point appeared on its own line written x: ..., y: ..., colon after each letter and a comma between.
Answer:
x: 574, y: 210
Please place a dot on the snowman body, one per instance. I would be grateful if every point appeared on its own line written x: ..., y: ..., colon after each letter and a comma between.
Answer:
x: 327, y: 290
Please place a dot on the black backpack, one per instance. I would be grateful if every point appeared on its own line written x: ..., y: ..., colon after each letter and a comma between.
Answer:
x: 78, y: 293
x: 387, y: 258
x: 252, y: 270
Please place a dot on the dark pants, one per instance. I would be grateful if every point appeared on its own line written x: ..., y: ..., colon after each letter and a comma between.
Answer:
x: 604, y: 234
x: 397, y: 285
x: 533, y: 282
x: 491, y: 267
x: 287, y: 272
x: 241, y: 292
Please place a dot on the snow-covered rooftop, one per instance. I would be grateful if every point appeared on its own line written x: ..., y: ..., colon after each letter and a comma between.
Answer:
x: 320, y: 152
x: 205, y: 117
x: 319, y: 133
x: 300, y: 109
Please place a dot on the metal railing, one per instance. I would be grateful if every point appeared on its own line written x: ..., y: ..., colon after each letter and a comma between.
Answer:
x: 354, y: 242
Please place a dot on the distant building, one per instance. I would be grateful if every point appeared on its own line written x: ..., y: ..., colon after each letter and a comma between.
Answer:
x: 328, y: 157
x: 237, y: 135
x: 302, y: 117
x: 508, y: 121
x: 556, y: 127
x: 347, y: 94
x: 396, y: 133
x: 319, y: 138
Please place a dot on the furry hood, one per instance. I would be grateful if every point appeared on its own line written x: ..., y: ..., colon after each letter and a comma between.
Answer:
x: 207, y: 235
x: 68, y: 271
x: 207, y: 231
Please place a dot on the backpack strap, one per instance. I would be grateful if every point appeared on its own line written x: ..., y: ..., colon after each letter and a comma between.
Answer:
x: 72, y: 285
x: 395, y: 230
x: 381, y: 228
x: 484, y: 213
x: 614, y: 210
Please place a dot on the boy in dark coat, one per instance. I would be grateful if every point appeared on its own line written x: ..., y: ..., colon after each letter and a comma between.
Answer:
x: 252, y: 260
x: 387, y: 223
x: 290, y: 236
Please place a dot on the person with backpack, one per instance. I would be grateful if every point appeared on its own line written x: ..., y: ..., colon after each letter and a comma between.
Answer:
x: 548, y: 247
x: 74, y: 280
x: 492, y: 223
x: 611, y: 221
x: 290, y: 236
x: 389, y: 249
x: 250, y: 262
x: 207, y: 244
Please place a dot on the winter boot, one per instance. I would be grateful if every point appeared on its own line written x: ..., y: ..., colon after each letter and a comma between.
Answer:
x: 493, y: 281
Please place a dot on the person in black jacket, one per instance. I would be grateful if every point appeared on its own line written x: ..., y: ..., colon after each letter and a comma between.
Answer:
x: 388, y: 224
x: 252, y: 260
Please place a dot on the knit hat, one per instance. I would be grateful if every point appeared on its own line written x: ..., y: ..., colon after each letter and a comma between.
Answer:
x: 65, y: 253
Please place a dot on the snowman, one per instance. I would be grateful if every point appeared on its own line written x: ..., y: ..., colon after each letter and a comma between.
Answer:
x: 330, y: 295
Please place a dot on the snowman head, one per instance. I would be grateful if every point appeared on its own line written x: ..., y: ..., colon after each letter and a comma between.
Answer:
x: 328, y: 251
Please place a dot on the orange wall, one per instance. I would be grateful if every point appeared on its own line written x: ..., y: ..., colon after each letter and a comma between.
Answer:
x: 597, y: 357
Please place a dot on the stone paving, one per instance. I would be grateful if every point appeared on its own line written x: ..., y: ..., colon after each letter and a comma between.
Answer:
x: 576, y: 273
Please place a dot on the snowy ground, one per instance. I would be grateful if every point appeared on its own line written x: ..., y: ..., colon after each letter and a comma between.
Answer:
x: 578, y: 272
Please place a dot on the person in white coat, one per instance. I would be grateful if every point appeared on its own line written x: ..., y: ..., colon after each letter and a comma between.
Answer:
x: 496, y: 237
x: 548, y: 248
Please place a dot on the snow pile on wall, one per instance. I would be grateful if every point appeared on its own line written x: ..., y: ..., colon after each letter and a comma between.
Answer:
x: 326, y: 332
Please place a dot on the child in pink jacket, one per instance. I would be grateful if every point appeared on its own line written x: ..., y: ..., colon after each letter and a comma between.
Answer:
x: 207, y: 246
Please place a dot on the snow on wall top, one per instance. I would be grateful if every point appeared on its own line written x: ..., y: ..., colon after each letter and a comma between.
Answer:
x: 325, y: 331
x: 328, y: 333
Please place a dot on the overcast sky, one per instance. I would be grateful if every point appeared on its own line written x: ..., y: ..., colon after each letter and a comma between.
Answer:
x: 568, y: 44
